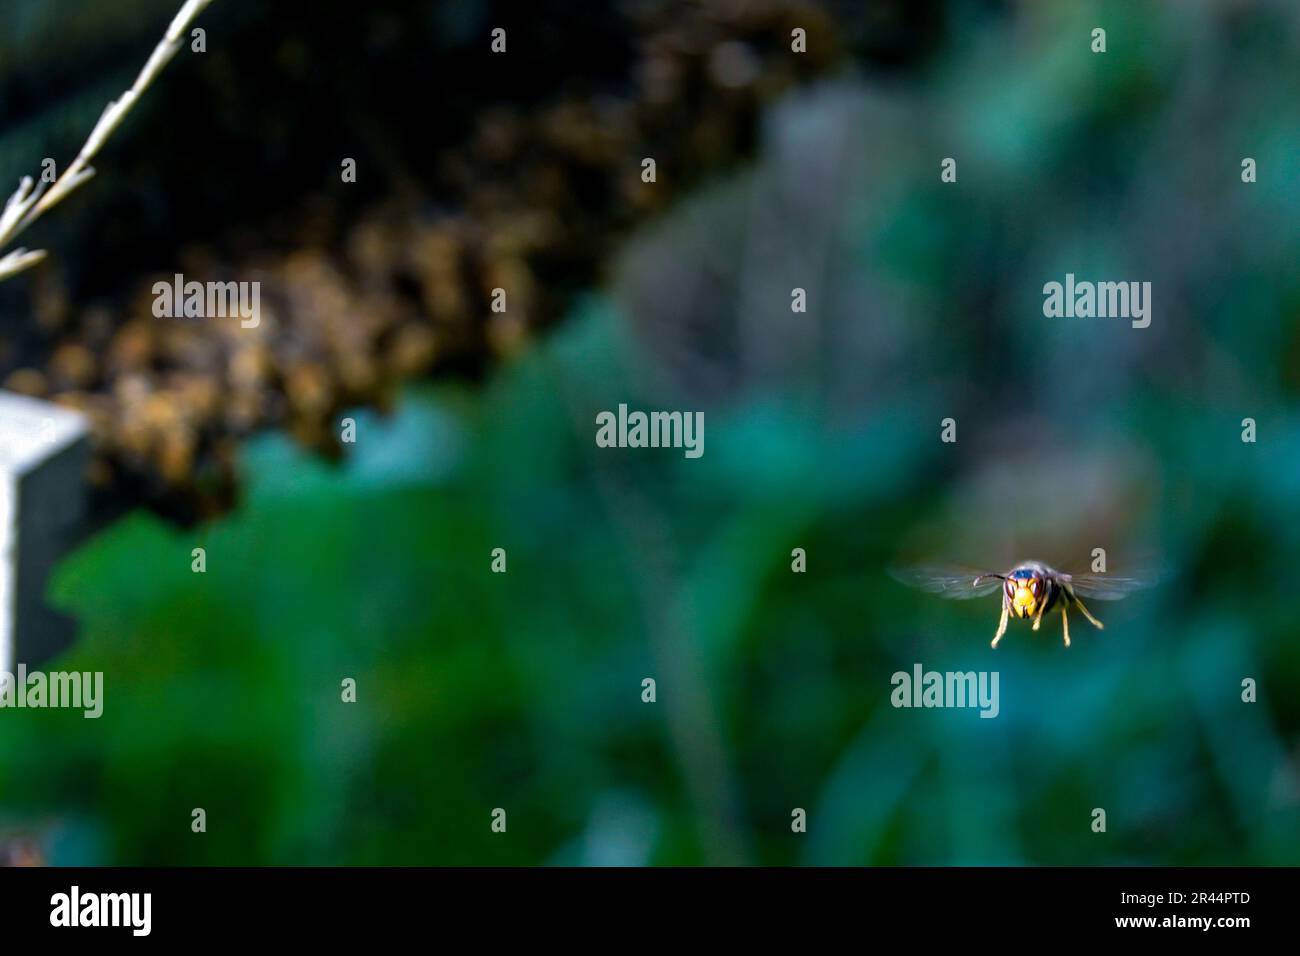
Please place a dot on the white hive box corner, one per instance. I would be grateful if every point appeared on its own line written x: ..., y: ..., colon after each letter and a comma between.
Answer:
x: 44, y: 451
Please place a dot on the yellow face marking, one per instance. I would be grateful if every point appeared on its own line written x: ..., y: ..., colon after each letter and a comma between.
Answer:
x: 1024, y: 601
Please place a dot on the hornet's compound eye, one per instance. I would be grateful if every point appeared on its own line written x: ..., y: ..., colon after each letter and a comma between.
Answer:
x: 1033, y: 585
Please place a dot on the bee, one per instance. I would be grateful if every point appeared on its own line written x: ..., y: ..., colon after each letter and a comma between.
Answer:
x: 1029, y: 590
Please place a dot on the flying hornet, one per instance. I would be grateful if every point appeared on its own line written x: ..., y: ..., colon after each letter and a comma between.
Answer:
x: 1029, y: 590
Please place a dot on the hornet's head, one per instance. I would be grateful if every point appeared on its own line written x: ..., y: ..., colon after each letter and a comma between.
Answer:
x: 1025, y: 590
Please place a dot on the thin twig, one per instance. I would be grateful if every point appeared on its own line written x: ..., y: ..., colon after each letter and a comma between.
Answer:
x: 31, y: 199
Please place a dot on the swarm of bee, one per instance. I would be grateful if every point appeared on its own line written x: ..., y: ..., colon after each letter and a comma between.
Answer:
x: 1029, y: 590
x: 530, y: 204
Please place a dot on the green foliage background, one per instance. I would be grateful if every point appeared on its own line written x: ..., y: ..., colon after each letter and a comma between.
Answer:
x: 522, y: 690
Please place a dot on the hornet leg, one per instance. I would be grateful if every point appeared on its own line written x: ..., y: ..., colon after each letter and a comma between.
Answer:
x: 1038, y: 618
x: 1065, y: 622
x: 1002, y: 625
x: 1092, y: 620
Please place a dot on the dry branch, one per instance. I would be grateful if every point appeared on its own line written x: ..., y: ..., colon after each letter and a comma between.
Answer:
x: 31, y: 199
